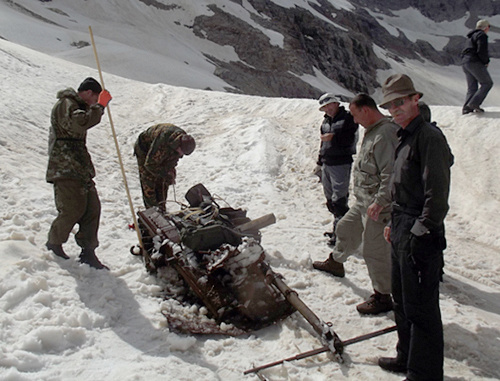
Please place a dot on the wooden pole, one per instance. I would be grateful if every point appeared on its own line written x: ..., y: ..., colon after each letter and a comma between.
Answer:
x: 136, y: 225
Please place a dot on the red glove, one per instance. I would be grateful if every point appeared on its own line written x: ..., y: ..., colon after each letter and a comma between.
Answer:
x: 104, y: 98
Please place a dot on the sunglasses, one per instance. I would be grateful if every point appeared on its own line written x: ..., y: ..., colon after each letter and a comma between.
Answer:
x: 395, y: 103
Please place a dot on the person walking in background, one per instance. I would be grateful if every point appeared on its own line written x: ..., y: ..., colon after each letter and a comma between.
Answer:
x: 420, y: 189
x: 363, y: 225
x: 475, y: 60
x: 158, y: 150
x: 71, y: 171
x: 338, y: 145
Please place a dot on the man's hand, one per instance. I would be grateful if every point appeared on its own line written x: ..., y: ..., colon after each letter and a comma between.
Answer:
x: 327, y: 137
x: 104, y: 98
x: 373, y: 211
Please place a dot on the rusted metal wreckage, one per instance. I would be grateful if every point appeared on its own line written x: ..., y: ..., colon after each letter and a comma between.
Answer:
x: 211, y: 256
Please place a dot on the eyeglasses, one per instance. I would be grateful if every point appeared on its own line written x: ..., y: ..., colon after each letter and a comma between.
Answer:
x: 395, y: 103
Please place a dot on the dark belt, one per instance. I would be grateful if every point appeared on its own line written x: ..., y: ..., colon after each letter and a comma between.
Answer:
x: 406, y: 210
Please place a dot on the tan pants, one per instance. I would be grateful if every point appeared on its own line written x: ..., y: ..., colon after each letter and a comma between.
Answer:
x: 77, y: 203
x: 357, y: 230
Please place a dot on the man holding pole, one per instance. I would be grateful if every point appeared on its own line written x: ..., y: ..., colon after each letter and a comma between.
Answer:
x: 71, y: 171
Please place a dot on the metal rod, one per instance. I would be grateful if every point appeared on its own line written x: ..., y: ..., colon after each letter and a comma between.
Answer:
x: 325, y: 348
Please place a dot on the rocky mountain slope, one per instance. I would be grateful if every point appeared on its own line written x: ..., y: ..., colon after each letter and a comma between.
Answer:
x: 285, y: 48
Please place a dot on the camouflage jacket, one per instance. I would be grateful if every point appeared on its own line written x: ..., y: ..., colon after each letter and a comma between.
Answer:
x: 156, y: 147
x: 70, y: 119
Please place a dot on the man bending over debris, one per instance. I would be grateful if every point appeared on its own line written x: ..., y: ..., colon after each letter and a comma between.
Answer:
x: 158, y: 150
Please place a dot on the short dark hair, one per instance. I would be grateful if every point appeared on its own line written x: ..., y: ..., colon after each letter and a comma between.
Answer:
x: 90, y: 84
x: 362, y: 100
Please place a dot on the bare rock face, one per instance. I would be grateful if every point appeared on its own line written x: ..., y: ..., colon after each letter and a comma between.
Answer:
x: 309, y: 43
x: 339, y: 44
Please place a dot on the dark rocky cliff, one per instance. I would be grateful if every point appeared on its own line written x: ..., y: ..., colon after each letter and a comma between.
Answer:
x: 344, y: 54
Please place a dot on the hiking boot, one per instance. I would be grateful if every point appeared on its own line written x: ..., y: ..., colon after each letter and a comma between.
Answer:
x: 392, y: 364
x: 467, y: 110
x: 57, y: 250
x: 88, y: 256
x: 331, y: 266
x: 376, y: 304
x: 478, y: 110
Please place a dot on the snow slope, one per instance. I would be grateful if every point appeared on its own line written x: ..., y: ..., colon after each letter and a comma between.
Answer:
x: 61, y: 320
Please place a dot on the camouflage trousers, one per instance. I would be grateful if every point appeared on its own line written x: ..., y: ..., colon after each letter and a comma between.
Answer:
x: 76, y: 203
x: 154, y: 189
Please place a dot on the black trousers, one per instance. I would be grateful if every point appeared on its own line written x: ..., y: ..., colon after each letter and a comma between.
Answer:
x: 417, y: 264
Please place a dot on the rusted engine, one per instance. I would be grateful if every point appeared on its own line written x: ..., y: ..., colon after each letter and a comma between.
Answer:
x: 218, y: 263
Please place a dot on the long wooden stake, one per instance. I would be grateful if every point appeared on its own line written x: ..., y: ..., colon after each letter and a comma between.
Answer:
x: 136, y: 225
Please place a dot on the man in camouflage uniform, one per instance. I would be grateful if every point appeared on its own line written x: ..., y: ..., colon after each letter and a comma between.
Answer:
x: 158, y: 150
x: 71, y: 171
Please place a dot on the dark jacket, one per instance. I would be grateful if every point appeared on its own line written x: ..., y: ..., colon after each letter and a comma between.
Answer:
x: 340, y: 149
x: 476, y: 47
x: 70, y: 119
x: 421, y: 176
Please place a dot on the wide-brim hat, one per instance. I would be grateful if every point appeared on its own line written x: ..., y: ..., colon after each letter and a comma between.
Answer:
x: 398, y: 86
x: 326, y: 99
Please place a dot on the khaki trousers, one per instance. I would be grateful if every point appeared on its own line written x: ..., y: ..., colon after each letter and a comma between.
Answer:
x: 356, y: 230
x: 77, y: 203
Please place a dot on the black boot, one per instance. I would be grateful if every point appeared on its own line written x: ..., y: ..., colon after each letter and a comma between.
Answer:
x: 393, y: 364
x: 57, y: 250
x: 88, y: 256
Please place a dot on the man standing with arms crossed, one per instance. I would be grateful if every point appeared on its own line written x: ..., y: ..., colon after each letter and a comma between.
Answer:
x: 339, y: 135
x: 363, y: 225
x: 420, y: 190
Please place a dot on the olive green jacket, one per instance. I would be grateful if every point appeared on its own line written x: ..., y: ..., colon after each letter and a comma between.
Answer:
x: 70, y: 119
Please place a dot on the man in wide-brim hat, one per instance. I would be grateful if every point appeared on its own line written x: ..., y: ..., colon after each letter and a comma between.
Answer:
x: 420, y: 189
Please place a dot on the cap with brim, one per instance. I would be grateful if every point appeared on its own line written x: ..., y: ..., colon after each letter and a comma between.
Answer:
x: 398, y: 86
x: 326, y: 99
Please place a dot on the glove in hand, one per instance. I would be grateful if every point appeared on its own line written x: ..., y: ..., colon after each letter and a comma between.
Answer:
x: 104, y: 98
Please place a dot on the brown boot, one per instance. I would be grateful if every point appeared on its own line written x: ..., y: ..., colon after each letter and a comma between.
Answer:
x: 331, y: 266
x: 376, y: 304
